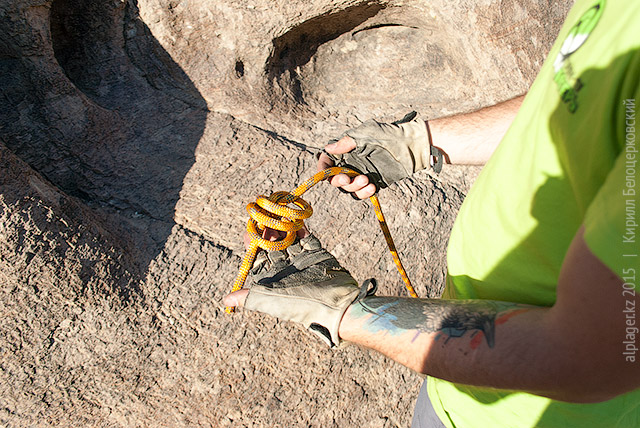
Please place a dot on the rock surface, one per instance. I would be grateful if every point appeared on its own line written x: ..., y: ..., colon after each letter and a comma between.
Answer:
x: 132, y: 134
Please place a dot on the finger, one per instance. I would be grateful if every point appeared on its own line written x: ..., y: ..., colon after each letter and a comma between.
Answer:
x: 268, y: 234
x: 366, y: 192
x: 324, y: 162
x: 358, y: 183
x: 236, y: 298
x: 343, y: 145
x: 340, y: 180
x: 273, y: 235
x: 303, y: 233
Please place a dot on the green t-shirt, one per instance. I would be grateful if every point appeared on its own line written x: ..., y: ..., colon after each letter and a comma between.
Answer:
x: 568, y: 159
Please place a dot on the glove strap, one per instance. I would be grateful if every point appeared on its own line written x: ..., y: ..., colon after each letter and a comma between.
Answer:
x: 368, y: 288
x: 437, y: 157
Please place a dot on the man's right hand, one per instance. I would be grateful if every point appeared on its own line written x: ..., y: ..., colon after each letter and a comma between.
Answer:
x: 359, y: 185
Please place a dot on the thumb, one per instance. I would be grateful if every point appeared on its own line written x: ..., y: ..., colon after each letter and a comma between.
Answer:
x: 236, y: 298
x: 343, y: 145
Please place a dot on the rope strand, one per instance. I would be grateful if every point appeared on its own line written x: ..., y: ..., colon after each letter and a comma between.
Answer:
x: 273, y: 212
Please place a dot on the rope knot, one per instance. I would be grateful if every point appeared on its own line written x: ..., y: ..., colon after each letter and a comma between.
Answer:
x: 273, y: 212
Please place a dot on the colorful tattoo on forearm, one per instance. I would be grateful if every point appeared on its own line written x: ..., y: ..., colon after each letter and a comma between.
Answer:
x: 449, y: 318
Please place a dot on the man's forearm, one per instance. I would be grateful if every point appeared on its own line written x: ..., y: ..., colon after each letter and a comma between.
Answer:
x: 483, y: 343
x: 470, y: 139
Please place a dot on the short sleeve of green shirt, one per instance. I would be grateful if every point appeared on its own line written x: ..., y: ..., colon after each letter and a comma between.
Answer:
x: 612, y: 222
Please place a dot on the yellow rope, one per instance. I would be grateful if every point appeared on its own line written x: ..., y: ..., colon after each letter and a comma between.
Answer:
x: 273, y: 212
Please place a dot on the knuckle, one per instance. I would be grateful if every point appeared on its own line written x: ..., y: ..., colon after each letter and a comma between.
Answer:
x: 344, y: 180
x: 362, y: 180
x: 353, y: 187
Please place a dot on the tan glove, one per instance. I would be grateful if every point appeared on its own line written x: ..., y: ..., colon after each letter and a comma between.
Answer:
x: 388, y: 152
x: 305, y: 284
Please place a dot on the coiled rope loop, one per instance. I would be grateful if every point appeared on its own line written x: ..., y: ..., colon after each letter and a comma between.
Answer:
x: 274, y: 212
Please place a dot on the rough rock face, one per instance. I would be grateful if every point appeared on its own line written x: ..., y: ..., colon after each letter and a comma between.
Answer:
x: 132, y: 134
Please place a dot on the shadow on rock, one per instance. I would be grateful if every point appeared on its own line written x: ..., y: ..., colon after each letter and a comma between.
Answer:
x: 102, y: 111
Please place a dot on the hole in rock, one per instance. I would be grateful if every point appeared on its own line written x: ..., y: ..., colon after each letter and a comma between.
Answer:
x: 296, y: 47
x: 84, y: 40
x: 239, y: 69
